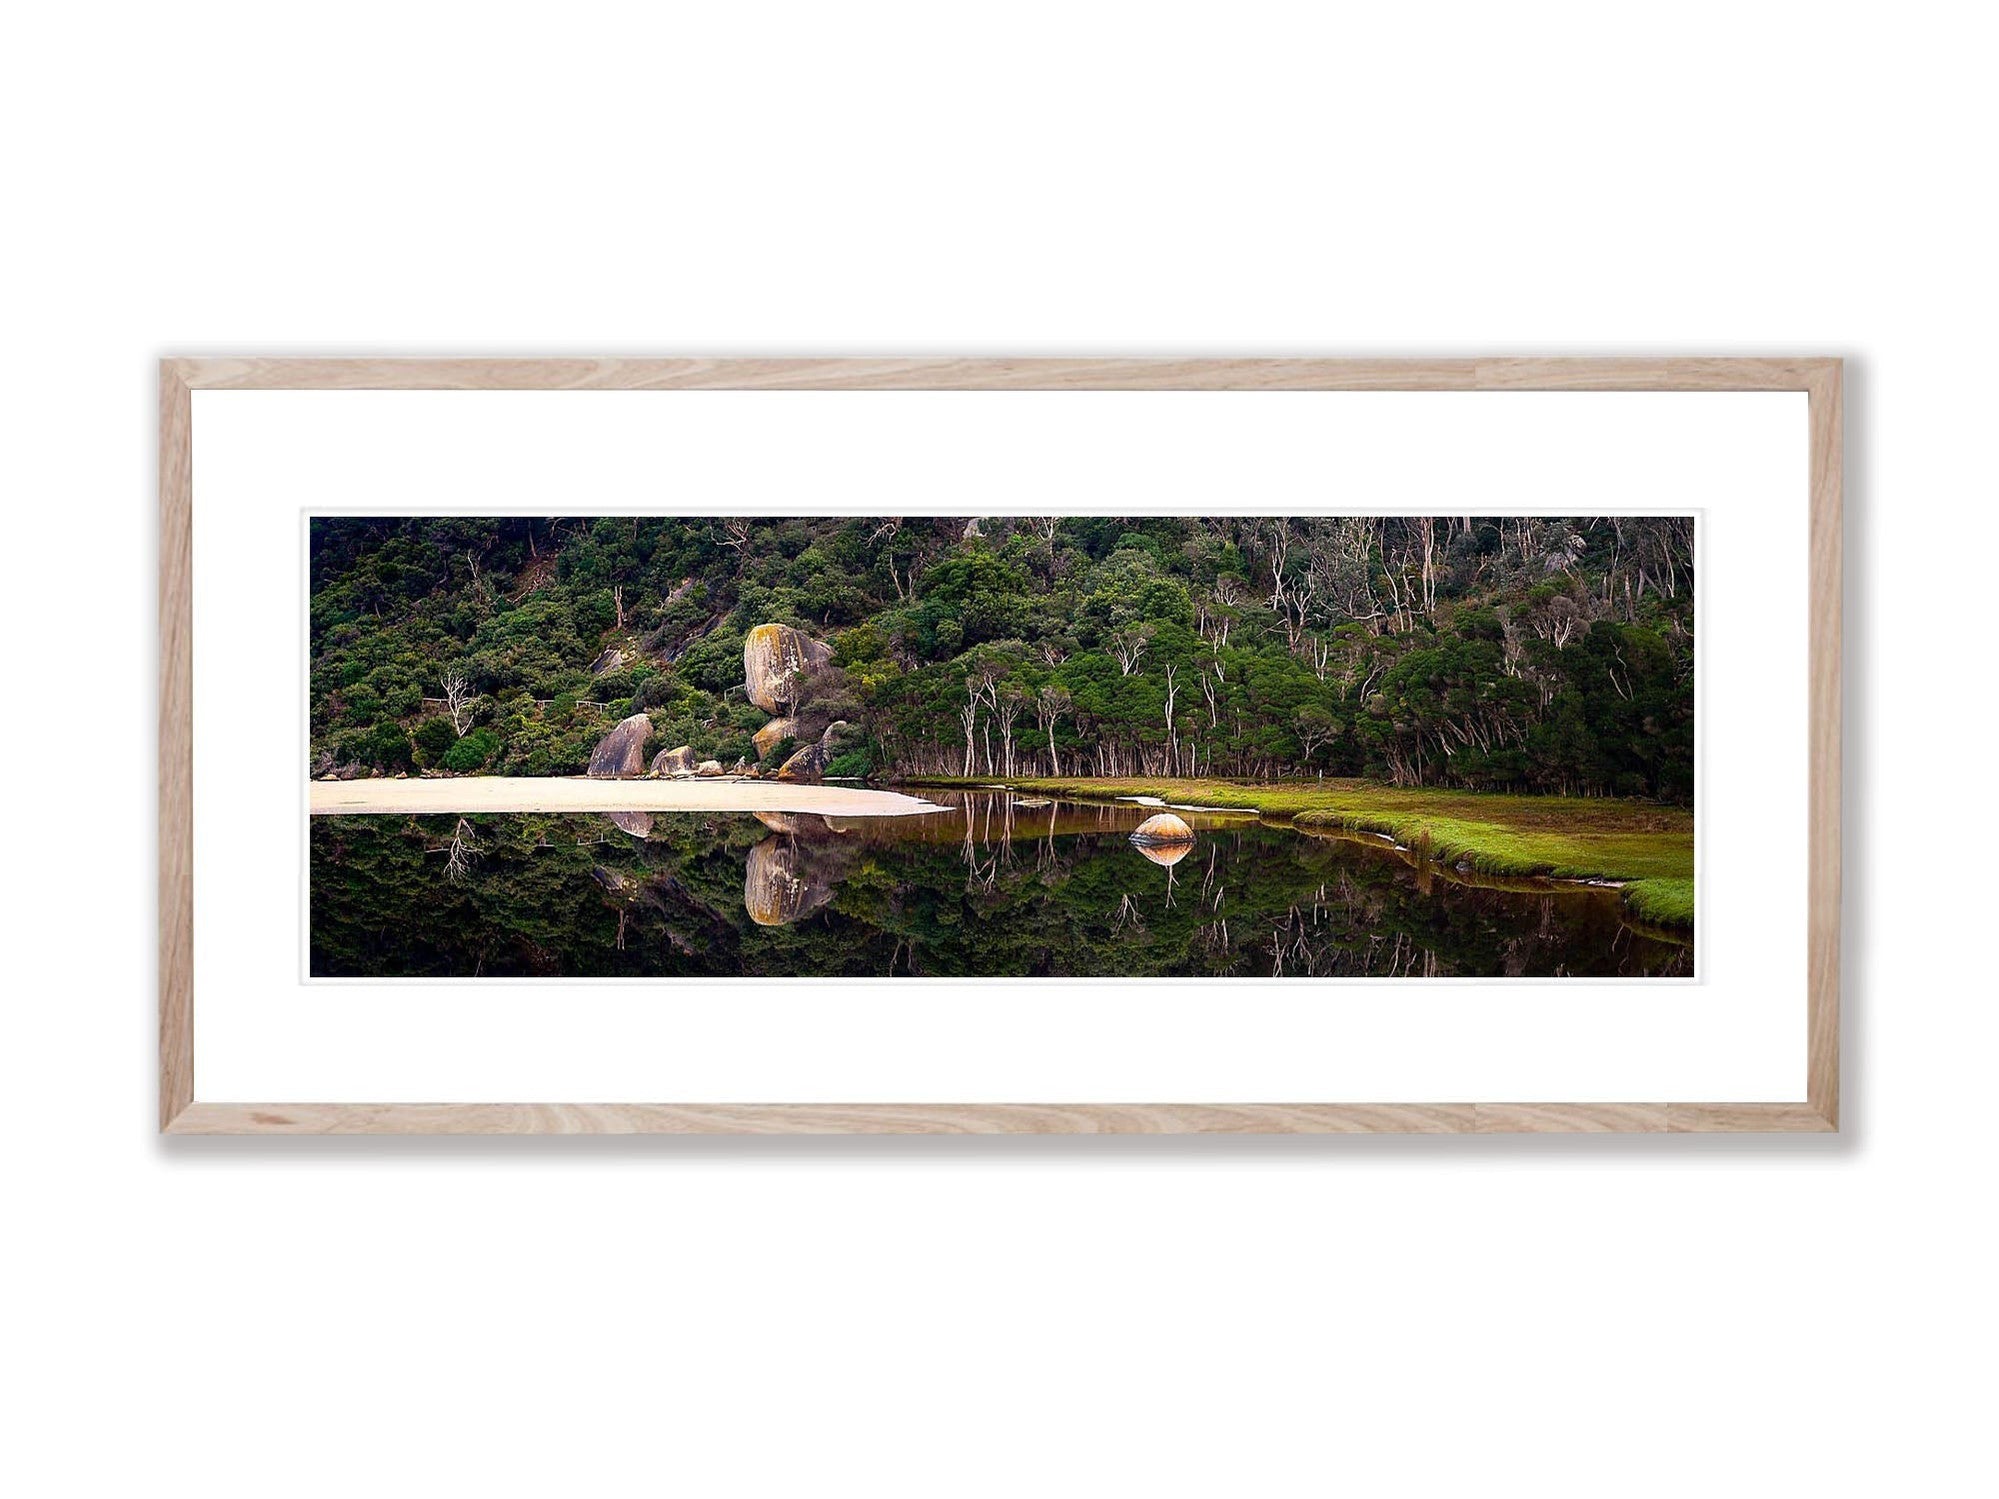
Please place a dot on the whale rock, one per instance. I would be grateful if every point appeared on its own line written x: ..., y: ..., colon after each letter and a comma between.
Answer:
x: 810, y: 763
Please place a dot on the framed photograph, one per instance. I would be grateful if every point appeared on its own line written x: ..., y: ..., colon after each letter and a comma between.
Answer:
x: 994, y: 745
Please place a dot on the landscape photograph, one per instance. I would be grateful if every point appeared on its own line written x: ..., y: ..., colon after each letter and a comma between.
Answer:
x: 1340, y: 746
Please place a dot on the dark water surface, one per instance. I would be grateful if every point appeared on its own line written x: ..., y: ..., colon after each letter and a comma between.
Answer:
x: 994, y: 886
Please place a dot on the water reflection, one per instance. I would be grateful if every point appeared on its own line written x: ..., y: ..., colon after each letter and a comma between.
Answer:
x: 1167, y: 854
x: 992, y: 886
x: 785, y: 882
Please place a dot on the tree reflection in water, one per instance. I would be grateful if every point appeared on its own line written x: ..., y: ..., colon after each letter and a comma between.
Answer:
x: 991, y: 887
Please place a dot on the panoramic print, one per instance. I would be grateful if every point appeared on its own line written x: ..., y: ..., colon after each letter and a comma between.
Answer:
x: 1019, y: 747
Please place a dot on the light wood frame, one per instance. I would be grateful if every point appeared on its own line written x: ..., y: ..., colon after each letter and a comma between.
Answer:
x: 182, y: 1113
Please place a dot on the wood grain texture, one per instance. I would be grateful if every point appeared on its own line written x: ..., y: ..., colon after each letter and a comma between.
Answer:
x: 1819, y: 378
x: 1748, y: 1118
x: 1653, y: 374
x: 176, y: 606
x: 830, y: 374
x: 992, y: 1118
x: 1570, y: 1118
x: 1002, y: 374
x: 1823, y: 888
x: 823, y: 1119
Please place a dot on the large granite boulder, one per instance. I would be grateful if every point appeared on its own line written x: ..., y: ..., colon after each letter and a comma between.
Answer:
x: 610, y: 660
x: 810, y: 763
x: 772, y: 734
x: 774, y: 657
x: 674, y: 762
x: 622, y: 751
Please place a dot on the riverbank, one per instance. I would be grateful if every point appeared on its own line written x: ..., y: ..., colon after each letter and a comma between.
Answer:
x: 1647, y: 850
x: 434, y: 794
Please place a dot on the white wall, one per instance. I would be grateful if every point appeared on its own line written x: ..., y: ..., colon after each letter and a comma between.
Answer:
x: 988, y: 1317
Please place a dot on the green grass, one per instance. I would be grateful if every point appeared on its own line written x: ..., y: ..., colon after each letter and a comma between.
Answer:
x: 1663, y: 903
x: 1649, y: 847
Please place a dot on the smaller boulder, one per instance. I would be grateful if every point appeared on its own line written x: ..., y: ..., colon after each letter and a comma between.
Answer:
x: 1162, y: 830
x: 611, y: 660
x: 772, y: 734
x: 742, y: 767
x: 709, y: 768
x: 674, y: 762
x: 622, y: 751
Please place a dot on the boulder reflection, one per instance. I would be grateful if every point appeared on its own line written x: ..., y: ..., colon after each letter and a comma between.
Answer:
x: 790, y: 875
x: 1166, y: 854
x: 780, y: 885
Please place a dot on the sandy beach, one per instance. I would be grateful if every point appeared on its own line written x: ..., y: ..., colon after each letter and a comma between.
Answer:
x: 578, y: 794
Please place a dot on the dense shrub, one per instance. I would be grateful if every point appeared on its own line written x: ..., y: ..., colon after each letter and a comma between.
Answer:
x: 434, y: 738
x: 387, y: 747
x: 473, y: 752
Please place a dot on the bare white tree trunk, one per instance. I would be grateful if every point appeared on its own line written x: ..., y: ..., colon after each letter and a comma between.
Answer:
x: 458, y: 702
x: 1128, y: 646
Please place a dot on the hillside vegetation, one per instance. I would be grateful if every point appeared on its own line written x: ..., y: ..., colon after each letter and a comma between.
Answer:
x: 1545, y: 655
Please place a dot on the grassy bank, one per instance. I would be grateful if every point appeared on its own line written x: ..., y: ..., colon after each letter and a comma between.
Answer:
x: 1649, y: 847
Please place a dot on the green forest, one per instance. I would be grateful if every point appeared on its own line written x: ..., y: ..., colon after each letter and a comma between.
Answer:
x: 1530, y: 655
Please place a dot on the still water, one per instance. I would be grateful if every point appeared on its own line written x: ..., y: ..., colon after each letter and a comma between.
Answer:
x: 995, y: 885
